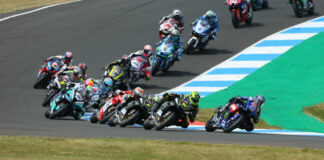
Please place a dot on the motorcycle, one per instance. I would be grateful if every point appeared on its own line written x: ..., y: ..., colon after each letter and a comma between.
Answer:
x: 301, y: 6
x: 53, y: 89
x: 136, y: 69
x: 199, y: 37
x: 119, y: 77
x: 164, y: 57
x: 45, y: 75
x: 66, y: 103
x: 107, y: 110
x: 133, y: 112
x: 169, y: 114
x: 234, y: 116
x: 256, y: 3
x: 240, y: 12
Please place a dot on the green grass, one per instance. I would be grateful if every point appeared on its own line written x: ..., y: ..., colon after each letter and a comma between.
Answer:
x: 317, y: 111
x: 31, y: 148
x: 205, y: 114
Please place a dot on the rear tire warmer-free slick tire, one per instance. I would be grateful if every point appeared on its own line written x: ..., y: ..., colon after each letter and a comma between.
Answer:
x: 156, y: 67
x: 209, y: 126
x: 234, y: 125
x: 105, y: 118
x: 48, y: 98
x: 147, y: 124
x: 132, y: 119
x: 61, y: 110
x: 166, y: 122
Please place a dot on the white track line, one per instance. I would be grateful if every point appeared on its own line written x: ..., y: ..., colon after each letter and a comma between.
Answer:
x: 35, y: 10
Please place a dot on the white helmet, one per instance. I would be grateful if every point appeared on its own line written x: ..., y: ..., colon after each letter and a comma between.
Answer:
x: 177, y: 14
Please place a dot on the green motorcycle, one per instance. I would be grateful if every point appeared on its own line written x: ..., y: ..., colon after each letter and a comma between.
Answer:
x: 301, y: 6
x: 66, y: 103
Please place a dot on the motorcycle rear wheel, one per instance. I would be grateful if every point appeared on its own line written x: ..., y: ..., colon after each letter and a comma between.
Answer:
x: 148, y: 124
x: 298, y: 8
x: 64, y: 107
x: 40, y: 83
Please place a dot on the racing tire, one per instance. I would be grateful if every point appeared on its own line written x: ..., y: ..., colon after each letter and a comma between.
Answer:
x: 265, y: 4
x: 209, y: 126
x: 132, y: 118
x: 298, y: 8
x: 94, y: 118
x: 156, y: 67
x: 166, y: 122
x: 106, y: 118
x: 254, y: 5
x: 190, y: 47
x: 48, y: 98
x: 311, y: 10
x: 235, y: 124
x: 60, y: 111
x: 112, y: 122
x: 235, y: 20
x: 148, y: 124
x: 47, y: 113
x: 40, y: 83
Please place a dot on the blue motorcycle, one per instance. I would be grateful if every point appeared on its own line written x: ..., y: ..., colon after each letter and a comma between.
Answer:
x: 164, y: 57
x: 259, y: 3
x: 66, y: 103
x: 199, y: 37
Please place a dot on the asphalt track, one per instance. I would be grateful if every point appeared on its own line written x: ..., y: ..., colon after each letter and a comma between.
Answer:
x: 100, y: 31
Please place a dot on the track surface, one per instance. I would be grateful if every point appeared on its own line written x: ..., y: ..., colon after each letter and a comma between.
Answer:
x: 100, y: 31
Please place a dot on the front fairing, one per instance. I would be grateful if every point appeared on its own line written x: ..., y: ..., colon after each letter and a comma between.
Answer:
x: 201, y: 28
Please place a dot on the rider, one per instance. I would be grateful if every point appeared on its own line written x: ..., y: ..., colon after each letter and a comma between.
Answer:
x: 130, y: 95
x: 77, y: 73
x: 175, y: 39
x: 65, y: 60
x: 246, y: 7
x: 177, y: 16
x: 123, y: 77
x: 188, y: 103
x: 212, y: 19
x: 254, y: 106
x: 146, y: 53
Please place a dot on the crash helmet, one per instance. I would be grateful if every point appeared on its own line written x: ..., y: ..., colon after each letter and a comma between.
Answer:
x: 260, y: 100
x: 175, y: 34
x: 177, y: 14
x: 107, y: 84
x: 88, y: 90
x: 210, y: 14
x: 194, y: 98
x: 89, y: 82
x: 67, y: 57
x: 83, y: 67
x: 147, y: 50
x: 138, y: 92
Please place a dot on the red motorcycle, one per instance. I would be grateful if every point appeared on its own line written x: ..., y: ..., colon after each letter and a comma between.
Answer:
x: 107, y: 110
x: 240, y: 11
x: 46, y: 74
x: 167, y: 26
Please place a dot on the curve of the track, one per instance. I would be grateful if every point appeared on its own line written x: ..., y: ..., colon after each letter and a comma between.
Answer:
x: 100, y: 31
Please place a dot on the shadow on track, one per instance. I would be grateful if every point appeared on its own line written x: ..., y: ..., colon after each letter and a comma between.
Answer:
x: 173, y: 73
x: 210, y: 51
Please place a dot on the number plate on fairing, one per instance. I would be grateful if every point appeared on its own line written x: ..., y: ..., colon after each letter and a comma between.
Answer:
x: 159, y: 112
x: 123, y: 111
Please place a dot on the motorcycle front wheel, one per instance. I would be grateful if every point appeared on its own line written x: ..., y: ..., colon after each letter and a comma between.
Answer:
x: 235, y: 20
x: 234, y: 124
x: 166, y: 121
x: 130, y: 117
x: 156, y: 67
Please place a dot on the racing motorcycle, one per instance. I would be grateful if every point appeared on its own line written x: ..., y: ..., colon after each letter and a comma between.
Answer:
x: 133, y: 112
x: 54, y: 88
x: 240, y: 12
x: 166, y: 27
x: 170, y: 113
x: 301, y: 6
x: 46, y: 74
x: 199, y: 37
x: 107, y: 110
x: 119, y: 77
x: 257, y: 3
x: 164, y: 57
x: 136, y: 70
x: 66, y: 103
x: 234, y: 116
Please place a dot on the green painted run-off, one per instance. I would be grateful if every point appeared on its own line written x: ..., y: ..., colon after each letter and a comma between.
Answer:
x: 291, y: 82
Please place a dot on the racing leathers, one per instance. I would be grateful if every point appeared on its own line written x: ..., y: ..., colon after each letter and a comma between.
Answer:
x: 180, y: 23
x: 178, y: 44
x: 147, y: 61
x: 213, y: 22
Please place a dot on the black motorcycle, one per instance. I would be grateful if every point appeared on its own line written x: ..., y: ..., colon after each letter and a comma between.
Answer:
x: 301, y: 6
x: 170, y: 113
